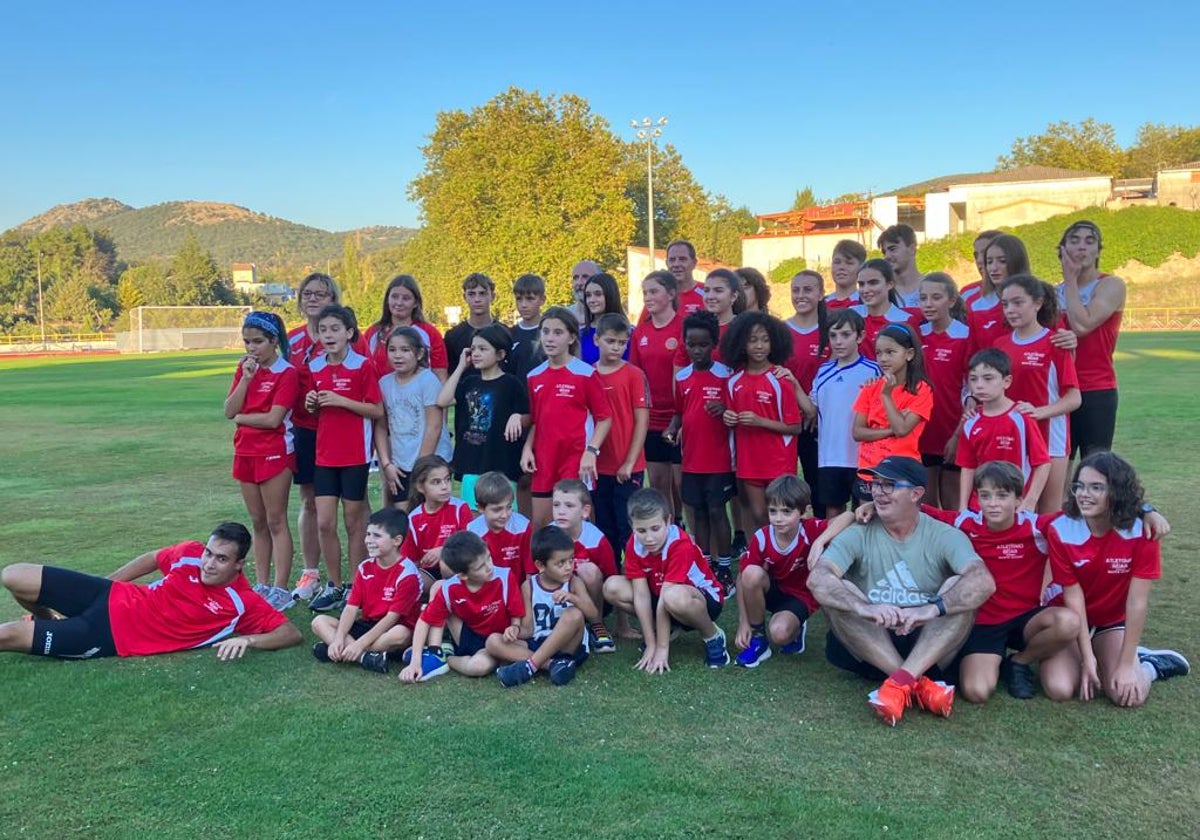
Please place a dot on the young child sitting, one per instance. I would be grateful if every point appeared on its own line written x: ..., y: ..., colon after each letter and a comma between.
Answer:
x: 774, y: 575
x: 481, y: 599
x: 557, y: 612
x: 504, y: 531
x: 382, y: 607
x: 667, y: 584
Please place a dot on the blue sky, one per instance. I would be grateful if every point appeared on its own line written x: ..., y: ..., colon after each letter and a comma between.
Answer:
x: 316, y: 112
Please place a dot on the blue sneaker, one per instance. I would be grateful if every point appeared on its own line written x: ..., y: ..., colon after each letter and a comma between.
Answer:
x: 562, y: 670
x: 796, y: 645
x: 715, y: 654
x: 514, y: 674
x: 758, y: 652
x: 433, y: 664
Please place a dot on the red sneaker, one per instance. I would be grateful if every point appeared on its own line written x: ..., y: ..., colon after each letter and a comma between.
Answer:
x: 890, y: 700
x: 937, y: 698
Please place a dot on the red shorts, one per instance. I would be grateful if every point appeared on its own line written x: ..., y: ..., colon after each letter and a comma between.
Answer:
x: 255, y: 469
x: 553, y: 465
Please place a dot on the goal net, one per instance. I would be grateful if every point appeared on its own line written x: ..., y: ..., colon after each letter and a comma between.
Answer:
x: 155, y: 329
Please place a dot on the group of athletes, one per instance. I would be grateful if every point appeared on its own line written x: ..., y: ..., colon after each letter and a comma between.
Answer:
x: 950, y: 542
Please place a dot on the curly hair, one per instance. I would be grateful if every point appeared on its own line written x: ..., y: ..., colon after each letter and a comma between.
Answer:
x: 1125, y: 492
x: 737, y: 336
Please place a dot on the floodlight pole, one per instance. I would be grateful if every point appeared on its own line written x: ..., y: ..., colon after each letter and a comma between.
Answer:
x: 41, y: 310
x: 649, y: 130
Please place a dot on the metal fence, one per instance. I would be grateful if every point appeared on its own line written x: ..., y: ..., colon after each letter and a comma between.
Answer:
x: 1162, y: 318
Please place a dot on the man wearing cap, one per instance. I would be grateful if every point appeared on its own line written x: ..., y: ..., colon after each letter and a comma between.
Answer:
x: 901, y: 593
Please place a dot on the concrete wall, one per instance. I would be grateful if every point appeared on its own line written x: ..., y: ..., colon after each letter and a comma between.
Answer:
x: 637, y: 266
x: 1179, y: 187
x: 1006, y: 205
x: 764, y: 253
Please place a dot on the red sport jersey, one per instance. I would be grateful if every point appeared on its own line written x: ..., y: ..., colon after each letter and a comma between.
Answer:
x: 566, y: 403
x: 763, y: 455
x: 428, y: 530
x: 1011, y: 436
x: 678, y: 561
x: 343, y: 437
x: 1041, y: 374
x: 376, y: 340
x: 653, y: 350
x: 379, y: 590
x: 706, y: 441
x: 985, y: 318
x: 179, y: 612
x: 508, y: 547
x: 806, y: 354
x: 626, y: 391
x: 688, y: 302
x: 277, y: 385
x: 787, y: 565
x: 1102, y: 566
x: 875, y: 323
x: 302, y: 349
x: 1094, y: 355
x: 832, y: 301
x: 946, y: 359
x: 488, y: 609
x: 869, y: 403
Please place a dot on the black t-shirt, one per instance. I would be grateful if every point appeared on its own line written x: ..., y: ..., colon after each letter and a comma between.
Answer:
x: 522, y: 358
x: 482, y: 408
x: 458, y: 338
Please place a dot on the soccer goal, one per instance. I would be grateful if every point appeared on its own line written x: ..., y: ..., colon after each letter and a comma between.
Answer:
x: 155, y: 329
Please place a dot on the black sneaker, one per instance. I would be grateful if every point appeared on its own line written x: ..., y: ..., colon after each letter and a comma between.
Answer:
x: 738, y: 548
x: 514, y: 674
x: 375, y: 660
x: 1166, y: 663
x: 562, y: 671
x: 1019, y: 678
x: 321, y: 652
x: 724, y: 575
x: 331, y: 598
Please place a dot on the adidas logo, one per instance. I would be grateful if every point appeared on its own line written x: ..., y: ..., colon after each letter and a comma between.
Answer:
x: 898, y: 587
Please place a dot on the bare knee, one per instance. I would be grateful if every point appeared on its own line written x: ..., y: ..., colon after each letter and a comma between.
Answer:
x: 783, y: 628
x: 753, y: 576
x: 1057, y: 688
x: 22, y: 579
x: 976, y: 688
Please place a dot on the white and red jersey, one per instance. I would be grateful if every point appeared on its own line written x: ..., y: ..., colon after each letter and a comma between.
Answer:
x: 344, y: 437
x: 590, y: 547
x: 1016, y: 557
x: 302, y: 349
x: 488, y: 609
x: 277, y: 385
x: 180, y: 612
x: 763, y: 455
x: 706, y: 441
x: 678, y: 561
x: 379, y: 590
x: 653, y: 350
x: 1010, y: 436
x: 946, y: 360
x: 376, y: 340
x: 970, y: 291
x: 787, y: 565
x: 985, y: 318
x: 1102, y: 566
x: 832, y: 301
x: 806, y: 354
x: 876, y: 323
x: 428, y: 529
x: 1041, y: 374
x: 566, y: 403
x: 682, y: 359
x: 509, y: 547
x: 1094, y: 355
x: 688, y: 302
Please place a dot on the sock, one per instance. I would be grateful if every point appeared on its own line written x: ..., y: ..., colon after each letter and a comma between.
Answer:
x: 902, y: 677
x: 1150, y: 670
x: 758, y: 629
x: 533, y: 669
x: 724, y: 562
x: 714, y: 636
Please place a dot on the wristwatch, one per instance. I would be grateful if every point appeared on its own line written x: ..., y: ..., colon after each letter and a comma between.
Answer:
x: 940, y: 604
x: 595, y: 450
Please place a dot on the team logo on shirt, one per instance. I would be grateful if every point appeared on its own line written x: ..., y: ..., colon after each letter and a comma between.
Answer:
x: 671, y: 343
x: 389, y: 592
x: 1119, y: 565
x: 1034, y: 358
x: 1081, y: 562
x: 896, y: 587
x: 213, y: 606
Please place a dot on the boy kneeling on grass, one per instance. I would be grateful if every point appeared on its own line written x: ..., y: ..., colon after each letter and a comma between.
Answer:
x: 383, y: 604
x: 558, y: 609
x: 667, y: 584
x: 481, y: 599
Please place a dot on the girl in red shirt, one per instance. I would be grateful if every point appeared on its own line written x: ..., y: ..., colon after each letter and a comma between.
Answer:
x: 808, y: 351
x: 260, y: 403
x: 945, y: 341
x: 402, y: 307
x: 880, y: 305
x: 434, y: 514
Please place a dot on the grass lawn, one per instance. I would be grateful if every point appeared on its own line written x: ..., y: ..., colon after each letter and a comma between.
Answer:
x: 104, y: 458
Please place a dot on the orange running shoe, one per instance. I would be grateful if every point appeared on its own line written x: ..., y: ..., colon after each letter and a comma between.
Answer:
x: 890, y: 700
x: 937, y: 698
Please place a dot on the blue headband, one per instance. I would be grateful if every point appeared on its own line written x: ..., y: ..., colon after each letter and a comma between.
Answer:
x: 262, y: 321
x: 897, y: 331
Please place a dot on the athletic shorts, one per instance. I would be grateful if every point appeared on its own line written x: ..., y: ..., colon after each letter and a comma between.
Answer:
x: 255, y: 469
x: 305, y: 443
x: 929, y: 459
x: 580, y: 655
x: 659, y: 451
x: 403, y: 494
x: 468, y: 642
x: 348, y: 483
x: 707, y: 491
x: 361, y: 627
x: 553, y: 465
x: 839, y: 656
x: 1094, y: 422
x: 779, y: 601
x: 998, y: 638
x: 835, y: 485
x: 85, y: 633
x: 711, y: 604
x: 1096, y: 629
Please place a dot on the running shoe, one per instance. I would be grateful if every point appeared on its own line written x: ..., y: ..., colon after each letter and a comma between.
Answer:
x: 261, y: 589
x: 321, y: 652
x: 514, y: 674
x: 602, y: 641
x: 796, y: 645
x: 1166, y: 663
x: 433, y: 663
x: 758, y: 652
x: 715, y: 653
x: 724, y: 575
x: 308, y: 586
x: 738, y: 548
x: 562, y: 670
x: 375, y: 660
x: 937, y: 698
x: 331, y: 598
x: 279, y: 598
x: 890, y: 700
x: 1019, y: 679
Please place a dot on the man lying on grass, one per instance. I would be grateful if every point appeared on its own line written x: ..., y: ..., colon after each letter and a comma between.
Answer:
x: 202, y: 599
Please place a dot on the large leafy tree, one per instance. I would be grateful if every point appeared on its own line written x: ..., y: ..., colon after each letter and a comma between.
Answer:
x: 523, y: 183
x: 1089, y: 146
x: 1161, y: 146
x: 194, y: 279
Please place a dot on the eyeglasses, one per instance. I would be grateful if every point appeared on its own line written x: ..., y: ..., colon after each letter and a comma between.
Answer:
x: 310, y: 294
x: 1094, y: 489
x: 887, y: 487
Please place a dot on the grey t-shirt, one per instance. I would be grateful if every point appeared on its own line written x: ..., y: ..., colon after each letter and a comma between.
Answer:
x: 405, y: 405
x: 906, y: 573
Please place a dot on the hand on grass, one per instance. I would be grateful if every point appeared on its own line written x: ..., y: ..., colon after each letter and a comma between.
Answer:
x: 233, y: 648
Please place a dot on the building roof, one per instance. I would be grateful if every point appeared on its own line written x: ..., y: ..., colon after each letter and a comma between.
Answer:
x: 1002, y: 176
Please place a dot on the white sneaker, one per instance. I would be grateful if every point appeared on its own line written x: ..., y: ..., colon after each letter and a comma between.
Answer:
x: 261, y: 589
x: 279, y: 598
x: 308, y: 585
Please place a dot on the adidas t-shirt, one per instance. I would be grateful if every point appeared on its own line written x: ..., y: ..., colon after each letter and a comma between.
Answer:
x: 906, y: 573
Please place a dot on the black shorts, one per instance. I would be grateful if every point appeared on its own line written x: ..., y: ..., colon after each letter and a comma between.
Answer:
x: 360, y: 628
x: 707, y: 491
x: 468, y: 642
x: 998, y: 638
x: 840, y: 656
x: 1094, y: 422
x: 348, y: 483
x: 711, y: 604
x: 835, y: 485
x: 661, y: 452
x: 929, y: 459
x: 780, y: 601
x: 85, y: 633
x: 305, y: 443
x: 1096, y: 629
x: 580, y: 655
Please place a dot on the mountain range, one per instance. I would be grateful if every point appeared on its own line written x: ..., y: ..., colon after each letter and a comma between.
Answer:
x: 227, y: 231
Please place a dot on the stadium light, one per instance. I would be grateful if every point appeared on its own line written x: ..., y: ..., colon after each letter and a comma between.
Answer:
x: 649, y: 131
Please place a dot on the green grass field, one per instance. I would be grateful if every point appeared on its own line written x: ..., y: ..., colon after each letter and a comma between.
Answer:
x: 104, y: 458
